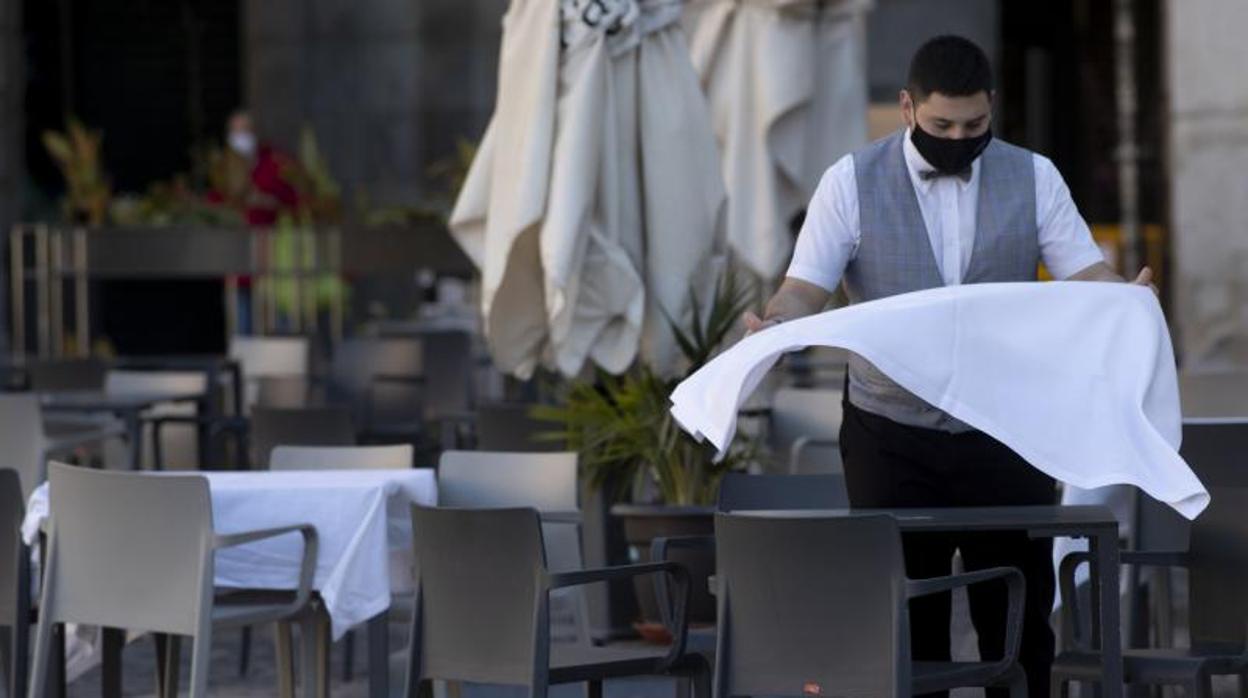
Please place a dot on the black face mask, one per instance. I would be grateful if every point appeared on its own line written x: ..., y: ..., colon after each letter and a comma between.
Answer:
x: 949, y: 155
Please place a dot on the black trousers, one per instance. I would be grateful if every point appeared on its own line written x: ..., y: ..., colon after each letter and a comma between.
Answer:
x: 894, y: 465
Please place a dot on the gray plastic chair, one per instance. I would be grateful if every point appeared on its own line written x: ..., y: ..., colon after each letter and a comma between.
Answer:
x: 268, y: 357
x: 108, y: 565
x: 742, y: 492
x: 818, y: 606
x: 806, y: 429
x: 482, y: 609
x: 546, y: 482
x: 307, y: 426
x: 27, y: 444
x: 382, y: 380
x: 1217, y: 598
x: 14, y: 584
x: 507, y: 426
x: 173, y: 427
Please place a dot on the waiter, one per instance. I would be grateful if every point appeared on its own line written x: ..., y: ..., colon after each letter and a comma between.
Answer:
x: 941, y: 203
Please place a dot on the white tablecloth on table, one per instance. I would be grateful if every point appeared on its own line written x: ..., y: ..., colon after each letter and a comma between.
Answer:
x: 1078, y: 378
x: 362, y: 524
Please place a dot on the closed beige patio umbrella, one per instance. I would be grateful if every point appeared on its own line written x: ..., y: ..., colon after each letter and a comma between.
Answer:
x: 786, y: 84
x: 595, y: 197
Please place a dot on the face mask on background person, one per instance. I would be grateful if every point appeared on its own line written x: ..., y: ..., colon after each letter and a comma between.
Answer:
x: 243, y: 143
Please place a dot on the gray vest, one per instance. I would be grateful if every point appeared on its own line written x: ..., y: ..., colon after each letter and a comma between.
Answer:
x: 895, y: 253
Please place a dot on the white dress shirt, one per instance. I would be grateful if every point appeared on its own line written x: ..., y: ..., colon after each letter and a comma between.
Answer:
x: 829, y: 237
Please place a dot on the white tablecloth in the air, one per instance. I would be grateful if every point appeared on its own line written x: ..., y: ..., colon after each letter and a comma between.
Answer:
x: 362, y: 523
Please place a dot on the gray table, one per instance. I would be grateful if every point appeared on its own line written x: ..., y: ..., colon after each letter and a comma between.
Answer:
x: 129, y: 408
x: 1096, y: 523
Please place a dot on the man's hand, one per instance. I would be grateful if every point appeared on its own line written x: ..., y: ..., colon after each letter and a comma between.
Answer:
x: 1145, y: 278
x: 754, y: 323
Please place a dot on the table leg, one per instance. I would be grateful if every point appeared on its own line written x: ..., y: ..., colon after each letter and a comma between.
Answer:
x: 378, y: 656
x: 113, y: 640
x: 1105, y: 576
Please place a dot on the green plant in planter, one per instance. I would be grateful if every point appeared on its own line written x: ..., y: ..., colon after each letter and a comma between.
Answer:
x: 622, y: 425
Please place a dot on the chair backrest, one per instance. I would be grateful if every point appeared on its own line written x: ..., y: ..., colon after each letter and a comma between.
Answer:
x: 12, y: 510
x: 508, y: 426
x: 1218, y: 575
x: 545, y: 481
x: 1214, y: 394
x: 744, y: 492
x: 379, y: 378
x: 128, y: 550
x: 268, y: 357
x: 21, y: 433
x: 480, y: 580
x: 813, y: 413
x: 447, y: 367
x: 178, y: 442
x: 66, y: 374
x: 1217, y: 450
x: 305, y: 426
x: 286, y: 391
x: 811, y: 606
x: 341, y: 457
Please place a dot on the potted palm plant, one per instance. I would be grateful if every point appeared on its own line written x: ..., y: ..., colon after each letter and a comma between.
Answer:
x: 631, y: 449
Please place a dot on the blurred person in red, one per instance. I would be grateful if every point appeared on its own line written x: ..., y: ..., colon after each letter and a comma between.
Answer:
x: 252, y: 176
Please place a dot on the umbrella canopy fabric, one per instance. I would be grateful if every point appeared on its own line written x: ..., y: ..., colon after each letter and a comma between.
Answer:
x: 786, y: 83
x: 594, y: 201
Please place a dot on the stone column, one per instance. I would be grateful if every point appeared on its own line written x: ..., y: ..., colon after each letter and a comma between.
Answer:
x: 1208, y: 163
x: 11, y: 141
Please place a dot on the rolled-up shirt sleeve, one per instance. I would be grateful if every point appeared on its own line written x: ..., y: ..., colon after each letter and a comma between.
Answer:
x: 1066, y: 244
x: 829, y: 236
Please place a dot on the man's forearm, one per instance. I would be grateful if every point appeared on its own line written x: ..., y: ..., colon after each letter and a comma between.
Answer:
x: 1097, y: 272
x: 795, y: 299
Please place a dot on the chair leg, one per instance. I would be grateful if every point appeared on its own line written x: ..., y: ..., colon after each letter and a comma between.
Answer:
x: 113, y: 640
x: 1059, y: 687
x: 348, y: 656
x: 1243, y: 685
x: 701, y: 680
x: 173, y: 665
x: 314, y: 643
x: 283, y: 641
x: 1202, y: 687
x: 244, y: 652
x: 201, y: 653
x: 593, y: 689
x: 1017, y: 683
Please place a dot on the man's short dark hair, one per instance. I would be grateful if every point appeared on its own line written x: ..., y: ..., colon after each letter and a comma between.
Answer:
x: 950, y: 65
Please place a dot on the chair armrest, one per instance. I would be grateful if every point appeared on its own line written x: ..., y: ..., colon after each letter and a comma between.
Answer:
x: 935, y: 585
x: 1016, y: 589
x: 1070, y: 599
x: 680, y: 612
x: 307, y: 566
x: 658, y: 553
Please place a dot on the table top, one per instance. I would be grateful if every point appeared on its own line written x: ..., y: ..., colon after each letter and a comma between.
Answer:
x: 1055, y: 519
x: 101, y: 401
